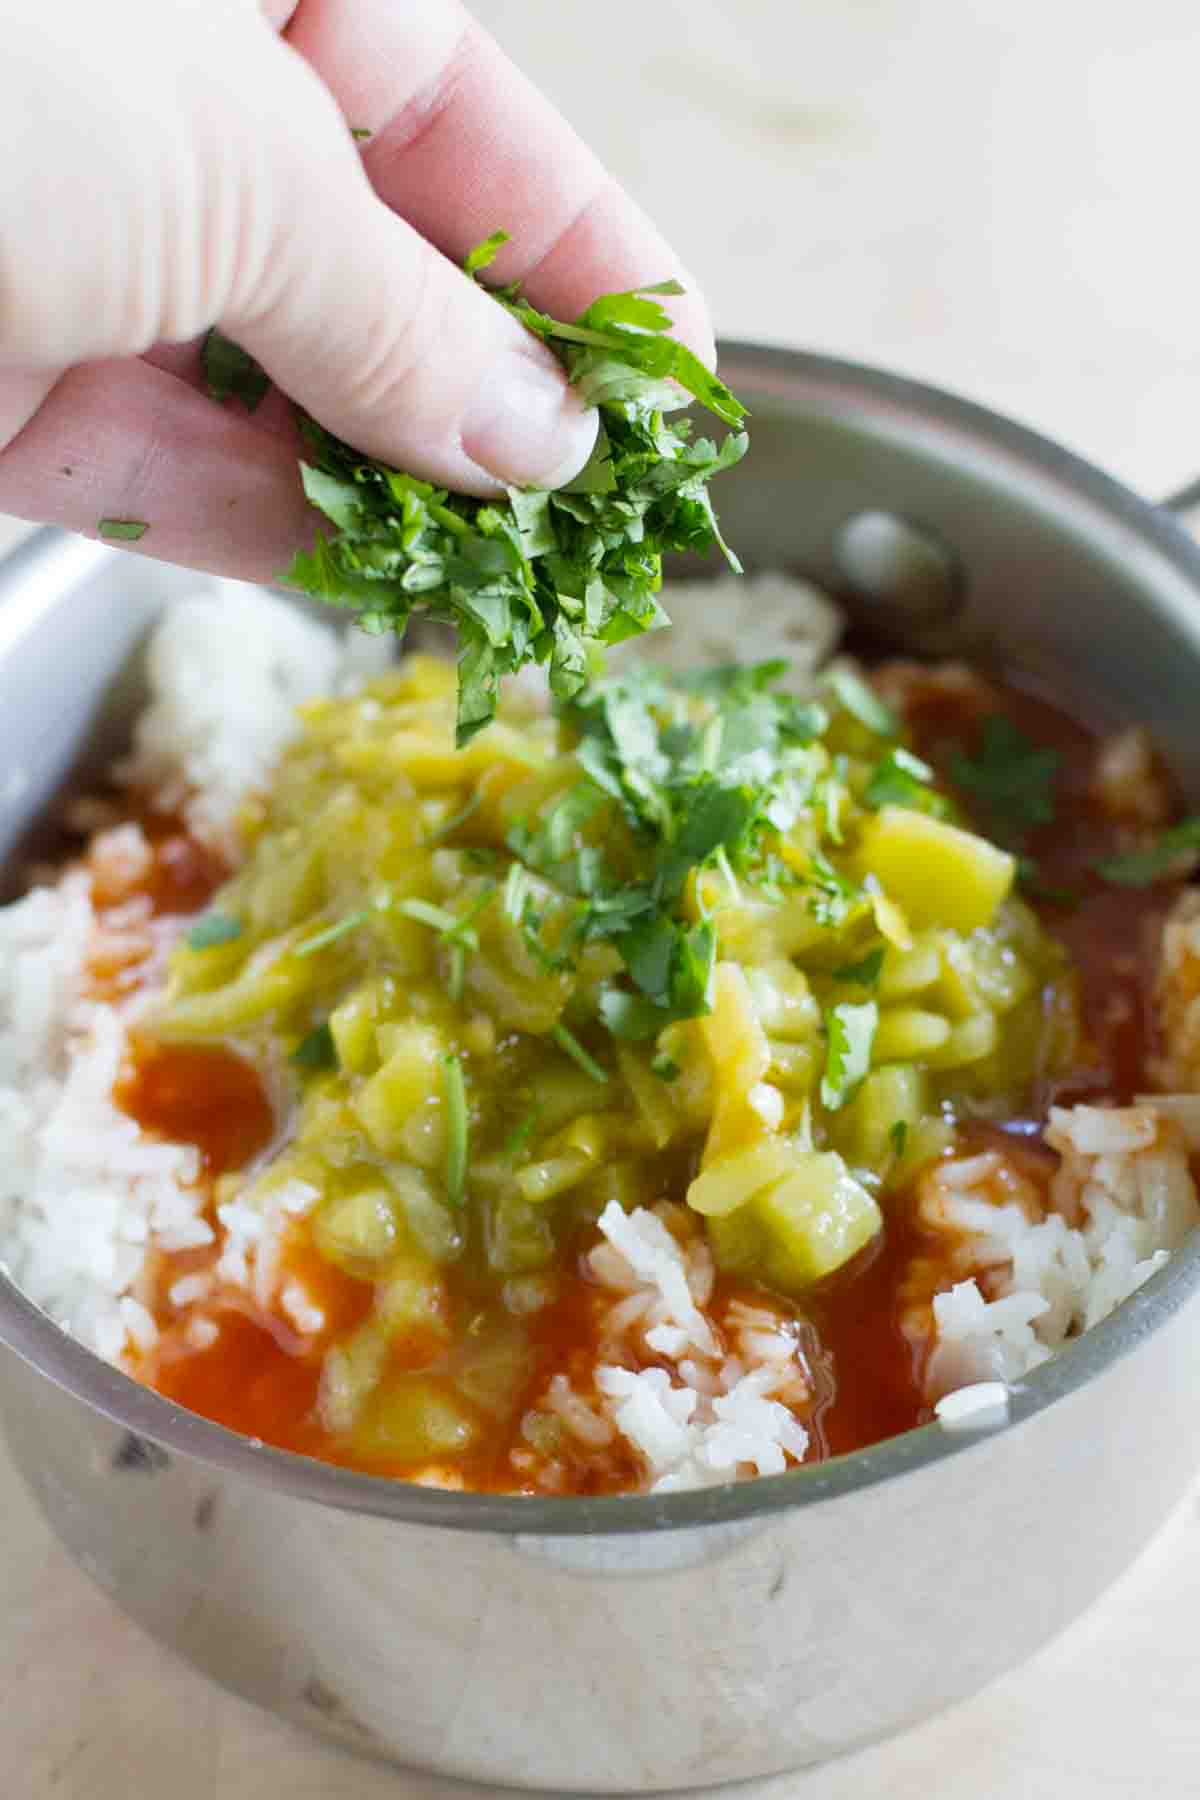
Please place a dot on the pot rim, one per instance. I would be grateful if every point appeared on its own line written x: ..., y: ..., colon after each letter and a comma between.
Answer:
x: 39, y: 1341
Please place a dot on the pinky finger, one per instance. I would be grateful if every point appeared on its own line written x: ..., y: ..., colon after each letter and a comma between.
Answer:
x: 124, y: 441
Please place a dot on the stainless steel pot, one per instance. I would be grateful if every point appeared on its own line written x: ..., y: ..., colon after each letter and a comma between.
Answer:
x: 641, y: 1644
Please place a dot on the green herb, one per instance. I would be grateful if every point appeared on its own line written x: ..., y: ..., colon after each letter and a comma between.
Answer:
x: 425, y: 913
x: 539, y: 576
x: 1139, y: 868
x: 451, y: 825
x: 214, y: 928
x: 1010, y: 778
x: 456, y: 931
x: 832, y: 898
x: 864, y: 973
x: 360, y: 133
x: 571, y: 1045
x: 898, y: 1137
x: 862, y: 702
x: 849, y: 1034
x: 902, y: 779
x: 519, y: 1138
x: 230, y: 374
x: 665, y: 1067
x: 332, y: 933
x: 317, y: 1050
x: 122, y: 531
x: 456, y: 1129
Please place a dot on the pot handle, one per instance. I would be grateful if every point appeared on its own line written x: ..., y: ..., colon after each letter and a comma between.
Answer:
x: 1185, y: 504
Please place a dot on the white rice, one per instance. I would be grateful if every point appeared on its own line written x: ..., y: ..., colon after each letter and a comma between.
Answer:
x: 83, y: 1196
x: 226, y: 670
x: 1123, y: 1199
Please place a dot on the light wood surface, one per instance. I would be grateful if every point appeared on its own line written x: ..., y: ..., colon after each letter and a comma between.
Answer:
x: 999, y: 197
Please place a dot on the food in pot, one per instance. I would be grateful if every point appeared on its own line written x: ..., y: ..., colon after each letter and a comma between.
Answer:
x: 712, y: 1072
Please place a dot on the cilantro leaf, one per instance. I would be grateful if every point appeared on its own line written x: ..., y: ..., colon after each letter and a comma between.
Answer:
x: 902, y: 779
x: 230, y: 373
x: 540, y: 576
x: 454, y: 1091
x: 1010, y: 778
x: 861, y: 701
x: 898, y: 1137
x: 1158, y: 861
x: 849, y: 1034
x: 122, y: 531
x: 214, y: 928
x: 864, y: 973
x: 317, y: 1051
x: 570, y: 1045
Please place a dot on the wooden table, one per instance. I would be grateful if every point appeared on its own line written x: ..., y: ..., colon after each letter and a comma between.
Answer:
x: 997, y: 197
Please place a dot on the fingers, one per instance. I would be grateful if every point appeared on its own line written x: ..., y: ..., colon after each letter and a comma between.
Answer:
x: 462, y: 145
x: 123, y: 440
x: 378, y: 335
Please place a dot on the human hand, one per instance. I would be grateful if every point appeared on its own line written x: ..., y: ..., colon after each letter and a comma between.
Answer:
x: 174, y: 164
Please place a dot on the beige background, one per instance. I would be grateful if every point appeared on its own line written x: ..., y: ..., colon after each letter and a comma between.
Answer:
x: 999, y: 196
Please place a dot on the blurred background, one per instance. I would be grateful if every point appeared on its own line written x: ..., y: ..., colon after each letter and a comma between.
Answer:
x: 998, y: 196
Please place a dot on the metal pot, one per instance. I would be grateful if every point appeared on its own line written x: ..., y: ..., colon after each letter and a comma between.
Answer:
x: 649, y: 1643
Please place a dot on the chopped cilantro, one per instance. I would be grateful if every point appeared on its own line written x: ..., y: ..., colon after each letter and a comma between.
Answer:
x: 122, y: 531
x: 665, y: 1067
x: 1010, y: 778
x: 864, y: 973
x: 317, y: 1050
x: 571, y: 1046
x: 339, y: 929
x: 898, y: 1137
x: 519, y: 1137
x: 230, y: 374
x: 455, y: 930
x: 214, y: 928
x: 457, y: 1127
x: 849, y: 1034
x: 902, y: 779
x: 861, y: 701
x: 1160, y: 860
x: 452, y: 824
x: 360, y: 133
x: 538, y: 576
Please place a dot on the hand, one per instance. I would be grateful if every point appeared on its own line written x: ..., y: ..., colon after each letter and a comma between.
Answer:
x: 174, y: 164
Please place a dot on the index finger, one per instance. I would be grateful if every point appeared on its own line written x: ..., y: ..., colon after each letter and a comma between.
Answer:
x: 461, y: 144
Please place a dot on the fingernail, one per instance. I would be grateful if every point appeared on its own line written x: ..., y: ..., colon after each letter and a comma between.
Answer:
x: 527, y: 426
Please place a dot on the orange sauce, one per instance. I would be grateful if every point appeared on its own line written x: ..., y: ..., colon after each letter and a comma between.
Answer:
x: 261, y: 1378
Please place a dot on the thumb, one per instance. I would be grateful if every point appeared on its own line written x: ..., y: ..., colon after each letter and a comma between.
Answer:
x: 374, y: 332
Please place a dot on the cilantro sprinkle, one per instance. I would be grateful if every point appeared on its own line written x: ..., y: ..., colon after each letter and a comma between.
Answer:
x: 213, y: 929
x: 864, y: 973
x: 333, y: 932
x: 571, y: 1045
x: 1010, y: 778
x: 230, y: 374
x: 898, y: 1137
x: 536, y: 577
x: 849, y: 1034
x: 520, y: 1136
x: 1140, y: 868
x: 862, y: 702
x: 452, y: 824
x: 317, y: 1050
x: 456, y: 1129
x: 122, y: 531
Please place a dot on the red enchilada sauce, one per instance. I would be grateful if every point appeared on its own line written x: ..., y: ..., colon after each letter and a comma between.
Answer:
x: 260, y: 1378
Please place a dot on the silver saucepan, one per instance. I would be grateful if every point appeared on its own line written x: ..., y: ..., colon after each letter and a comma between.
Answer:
x: 649, y: 1643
